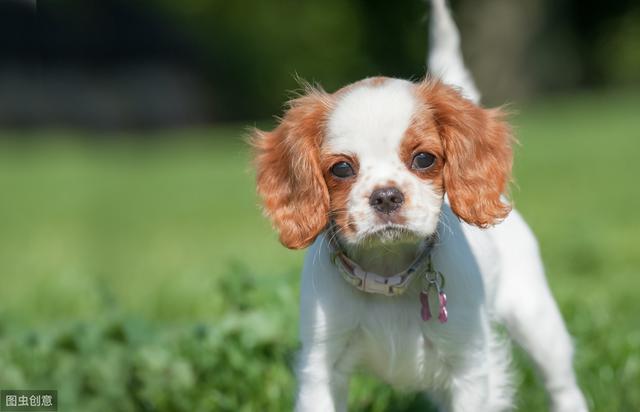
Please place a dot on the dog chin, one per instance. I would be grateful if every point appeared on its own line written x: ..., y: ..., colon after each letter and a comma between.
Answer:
x: 389, y: 234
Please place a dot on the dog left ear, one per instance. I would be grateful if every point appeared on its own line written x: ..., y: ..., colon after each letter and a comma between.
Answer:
x: 289, y: 179
x: 478, y: 154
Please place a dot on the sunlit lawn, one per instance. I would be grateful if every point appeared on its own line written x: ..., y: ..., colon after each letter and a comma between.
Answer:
x: 149, y: 228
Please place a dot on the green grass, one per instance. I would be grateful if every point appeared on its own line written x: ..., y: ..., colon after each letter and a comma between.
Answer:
x: 139, y: 274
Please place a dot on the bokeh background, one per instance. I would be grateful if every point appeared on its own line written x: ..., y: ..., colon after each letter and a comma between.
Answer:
x: 136, y: 272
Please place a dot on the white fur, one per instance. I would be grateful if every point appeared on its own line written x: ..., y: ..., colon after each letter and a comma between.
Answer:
x: 492, y: 275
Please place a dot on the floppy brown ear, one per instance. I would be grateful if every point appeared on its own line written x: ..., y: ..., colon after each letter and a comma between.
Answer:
x: 478, y: 154
x: 289, y: 177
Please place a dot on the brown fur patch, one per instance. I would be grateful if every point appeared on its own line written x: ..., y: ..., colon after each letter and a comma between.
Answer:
x: 289, y: 178
x: 339, y: 190
x: 369, y: 81
x: 477, y: 152
x: 376, y: 81
x: 422, y: 137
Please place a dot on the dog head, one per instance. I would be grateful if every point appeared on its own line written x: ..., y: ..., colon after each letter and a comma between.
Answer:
x: 377, y: 157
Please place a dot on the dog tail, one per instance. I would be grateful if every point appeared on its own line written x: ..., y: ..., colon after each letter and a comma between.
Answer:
x: 445, y: 56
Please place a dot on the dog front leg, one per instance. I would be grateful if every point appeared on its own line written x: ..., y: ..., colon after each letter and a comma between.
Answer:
x: 466, y: 393
x: 324, y: 370
x: 480, y: 381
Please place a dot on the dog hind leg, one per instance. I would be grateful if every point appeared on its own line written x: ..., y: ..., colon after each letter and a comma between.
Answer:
x: 525, y: 305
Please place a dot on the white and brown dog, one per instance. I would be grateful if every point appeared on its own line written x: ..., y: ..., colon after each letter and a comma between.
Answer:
x: 398, y: 188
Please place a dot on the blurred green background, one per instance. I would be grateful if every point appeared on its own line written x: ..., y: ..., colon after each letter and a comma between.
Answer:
x: 137, y: 273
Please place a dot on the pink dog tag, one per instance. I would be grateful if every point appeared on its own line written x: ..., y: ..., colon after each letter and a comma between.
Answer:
x: 443, y: 316
x: 425, y: 311
x: 439, y: 298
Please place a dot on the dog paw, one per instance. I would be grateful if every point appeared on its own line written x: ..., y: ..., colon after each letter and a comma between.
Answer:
x: 569, y: 401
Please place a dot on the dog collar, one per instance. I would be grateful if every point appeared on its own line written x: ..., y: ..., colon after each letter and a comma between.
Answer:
x: 369, y: 282
x: 372, y: 282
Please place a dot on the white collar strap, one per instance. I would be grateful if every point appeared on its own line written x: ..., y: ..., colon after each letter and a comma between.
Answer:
x: 372, y: 282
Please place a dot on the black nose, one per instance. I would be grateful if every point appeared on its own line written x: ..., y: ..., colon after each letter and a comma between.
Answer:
x: 386, y: 200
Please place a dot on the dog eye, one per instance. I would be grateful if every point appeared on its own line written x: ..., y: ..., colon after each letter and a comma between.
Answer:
x: 342, y: 169
x: 423, y: 161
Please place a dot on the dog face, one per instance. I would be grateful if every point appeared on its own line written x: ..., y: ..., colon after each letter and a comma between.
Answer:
x: 377, y: 157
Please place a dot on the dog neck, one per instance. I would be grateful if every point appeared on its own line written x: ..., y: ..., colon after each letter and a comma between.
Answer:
x: 385, y: 258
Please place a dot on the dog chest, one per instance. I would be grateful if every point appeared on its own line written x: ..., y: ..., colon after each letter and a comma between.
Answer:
x: 402, y: 349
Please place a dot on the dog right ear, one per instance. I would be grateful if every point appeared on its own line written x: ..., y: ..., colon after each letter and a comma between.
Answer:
x: 289, y: 179
x: 478, y: 156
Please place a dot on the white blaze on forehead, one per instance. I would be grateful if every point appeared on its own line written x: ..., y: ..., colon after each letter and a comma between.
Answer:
x: 371, y: 120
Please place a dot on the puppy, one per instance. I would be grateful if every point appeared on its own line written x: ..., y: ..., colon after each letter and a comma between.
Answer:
x: 398, y: 189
